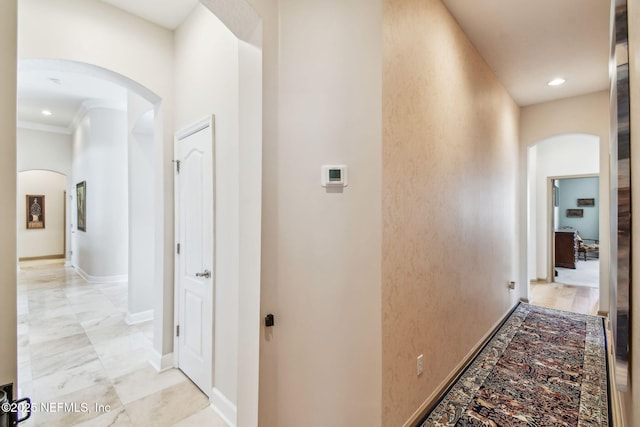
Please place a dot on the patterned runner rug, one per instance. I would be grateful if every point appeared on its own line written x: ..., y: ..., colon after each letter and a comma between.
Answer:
x: 542, y: 368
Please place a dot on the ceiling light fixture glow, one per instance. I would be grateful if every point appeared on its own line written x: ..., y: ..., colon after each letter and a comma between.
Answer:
x: 46, y: 113
x: 556, y: 82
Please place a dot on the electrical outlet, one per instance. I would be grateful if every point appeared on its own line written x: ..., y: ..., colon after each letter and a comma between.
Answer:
x: 512, y: 285
x: 420, y: 365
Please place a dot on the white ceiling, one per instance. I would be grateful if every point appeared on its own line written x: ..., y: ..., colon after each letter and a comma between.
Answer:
x: 63, y: 93
x: 528, y: 43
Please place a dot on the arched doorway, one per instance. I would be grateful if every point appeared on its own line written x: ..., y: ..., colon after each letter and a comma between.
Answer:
x: 100, y: 143
x: 569, y: 155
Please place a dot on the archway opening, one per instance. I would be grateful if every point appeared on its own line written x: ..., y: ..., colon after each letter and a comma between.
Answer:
x: 549, y: 160
x: 103, y: 139
x: 42, y: 215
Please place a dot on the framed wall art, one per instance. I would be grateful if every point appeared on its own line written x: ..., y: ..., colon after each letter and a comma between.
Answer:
x: 587, y: 202
x: 575, y: 213
x: 81, y: 201
x: 35, y: 211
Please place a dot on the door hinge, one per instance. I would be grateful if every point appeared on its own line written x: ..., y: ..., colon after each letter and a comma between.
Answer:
x: 178, y: 248
x: 177, y: 162
x: 177, y: 330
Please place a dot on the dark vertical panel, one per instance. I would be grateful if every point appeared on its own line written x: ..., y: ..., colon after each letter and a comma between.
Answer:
x: 621, y: 149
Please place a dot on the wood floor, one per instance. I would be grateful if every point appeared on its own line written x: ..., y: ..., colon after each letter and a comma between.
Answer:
x: 577, y: 299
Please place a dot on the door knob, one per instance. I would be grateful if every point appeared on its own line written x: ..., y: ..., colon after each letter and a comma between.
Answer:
x: 206, y: 274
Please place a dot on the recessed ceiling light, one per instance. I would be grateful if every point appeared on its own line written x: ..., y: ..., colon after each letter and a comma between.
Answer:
x: 46, y: 113
x: 556, y: 82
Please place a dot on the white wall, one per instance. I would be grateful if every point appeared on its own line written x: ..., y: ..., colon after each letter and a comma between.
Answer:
x: 321, y: 254
x: 8, y: 323
x: 211, y: 60
x: 100, y: 158
x: 43, y: 150
x: 207, y: 83
x: 532, y: 226
x: 562, y: 156
x: 47, y: 151
x: 247, y: 24
x: 141, y: 223
x: 49, y: 241
x: 250, y: 162
x: 587, y: 114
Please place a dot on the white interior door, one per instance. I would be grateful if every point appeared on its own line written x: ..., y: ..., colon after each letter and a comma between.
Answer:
x: 195, y: 260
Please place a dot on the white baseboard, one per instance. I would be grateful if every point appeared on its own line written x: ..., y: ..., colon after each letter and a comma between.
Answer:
x: 139, y: 317
x: 161, y: 363
x: 224, y: 407
x: 101, y: 279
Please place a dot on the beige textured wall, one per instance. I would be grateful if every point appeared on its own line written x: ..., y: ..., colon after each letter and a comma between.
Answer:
x: 450, y: 151
x: 8, y: 209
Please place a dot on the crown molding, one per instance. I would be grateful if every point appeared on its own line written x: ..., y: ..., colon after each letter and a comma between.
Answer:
x: 24, y: 124
x: 85, y: 107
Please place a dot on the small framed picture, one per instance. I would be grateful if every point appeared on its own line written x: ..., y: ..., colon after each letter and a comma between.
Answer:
x: 81, y: 201
x: 575, y: 213
x: 587, y: 202
x: 35, y: 211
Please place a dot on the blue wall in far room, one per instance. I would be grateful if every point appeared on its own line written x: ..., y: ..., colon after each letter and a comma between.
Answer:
x: 572, y: 189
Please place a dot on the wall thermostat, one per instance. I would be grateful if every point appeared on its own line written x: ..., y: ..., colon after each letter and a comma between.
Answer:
x: 334, y: 176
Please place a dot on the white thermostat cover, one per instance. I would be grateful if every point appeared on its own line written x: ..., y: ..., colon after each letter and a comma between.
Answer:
x: 334, y: 176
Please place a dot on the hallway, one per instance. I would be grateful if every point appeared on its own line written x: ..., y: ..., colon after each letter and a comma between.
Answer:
x: 74, y: 347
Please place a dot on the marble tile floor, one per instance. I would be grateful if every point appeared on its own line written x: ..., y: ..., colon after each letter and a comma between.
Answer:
x: 577, y: 299
x: 82, y: 365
